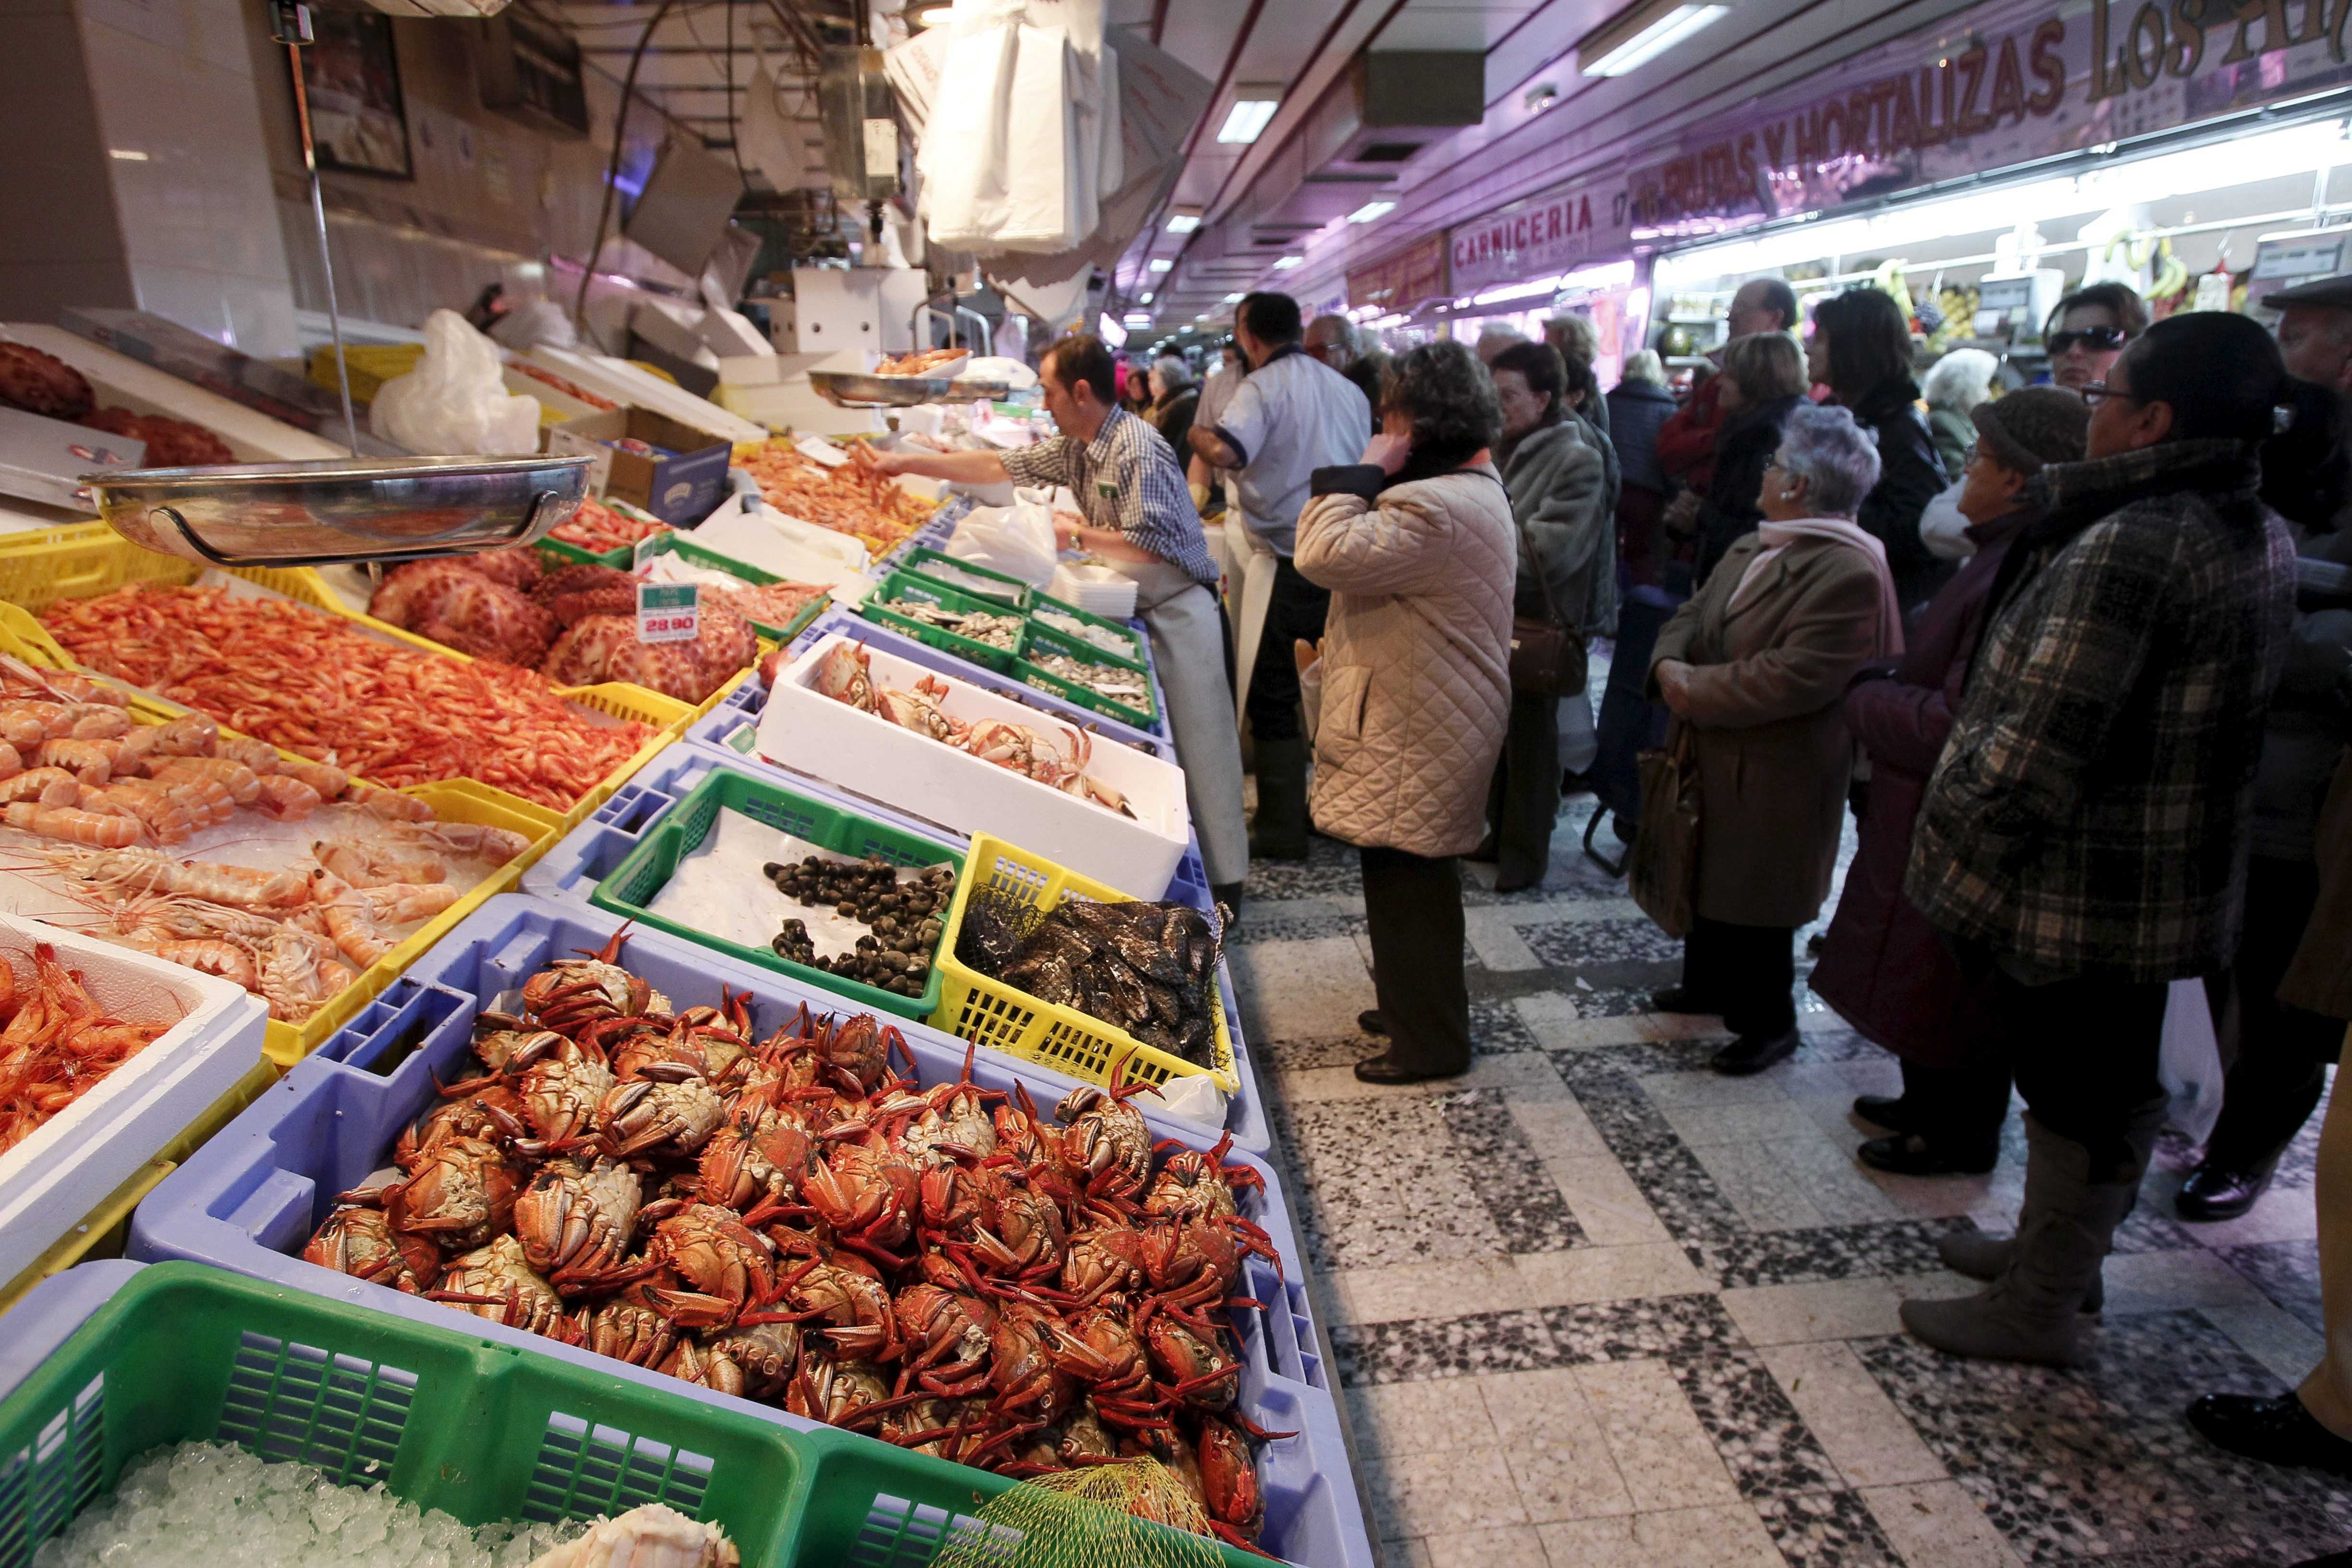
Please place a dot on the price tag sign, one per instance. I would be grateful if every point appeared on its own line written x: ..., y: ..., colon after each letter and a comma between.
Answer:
x: 816, y: 448
x: 668, y: 611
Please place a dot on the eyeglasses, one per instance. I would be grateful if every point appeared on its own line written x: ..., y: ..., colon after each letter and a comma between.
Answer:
x: 2098, y: 340
x: 2092, y: 390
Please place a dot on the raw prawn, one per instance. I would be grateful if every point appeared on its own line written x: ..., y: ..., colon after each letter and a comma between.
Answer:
x: 286, y: 800
x: 497, y: 844
x: 22, y: 730
x: 149, y: 871
x: 12, y: 762
x: 76, y: 826
x: 402, y: 903
x: 92, y: 762
x: 57, y: 1044
x: 389, y: 804
x: 189, y: 735
x: 244, y: 785
x: 96, y: 722
x: 213, y: 955
x: 370, y: 866
x: 154, y: 805
x: 298, y: 973
x: 347, y: 918
x: 329, y: 782
x: 37, y: 785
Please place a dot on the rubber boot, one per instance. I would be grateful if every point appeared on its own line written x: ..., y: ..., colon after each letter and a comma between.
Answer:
x: 1279, y: 832
x: 1227, y: 896
x: 1983, y: 1256
x: 2064, y: 1231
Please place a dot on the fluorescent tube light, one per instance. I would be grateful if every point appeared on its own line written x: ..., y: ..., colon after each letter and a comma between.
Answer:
x: 1656, y: 38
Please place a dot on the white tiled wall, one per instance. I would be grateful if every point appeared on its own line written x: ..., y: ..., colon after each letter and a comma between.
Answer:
x: 149, y: 181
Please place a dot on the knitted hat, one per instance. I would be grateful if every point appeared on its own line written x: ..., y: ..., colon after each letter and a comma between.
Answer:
x: 2034, y: 426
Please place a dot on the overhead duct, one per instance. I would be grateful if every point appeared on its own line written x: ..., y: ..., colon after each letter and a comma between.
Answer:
x: 1444, y: 88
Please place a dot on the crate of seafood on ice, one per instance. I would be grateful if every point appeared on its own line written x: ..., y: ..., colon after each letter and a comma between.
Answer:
x: 173, y: 1413
x: 935, y: 746
x: 1082, y: 672
x: 110, y: 1056
x: 984, y: 631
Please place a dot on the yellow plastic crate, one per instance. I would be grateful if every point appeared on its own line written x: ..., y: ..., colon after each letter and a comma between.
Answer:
x: 370, y: 364
x: 103, y: 1231
x: 85, y: 562
x: 974, y: 1007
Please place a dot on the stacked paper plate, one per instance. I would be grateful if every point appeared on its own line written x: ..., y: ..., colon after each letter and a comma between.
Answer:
x: 1097, y: 590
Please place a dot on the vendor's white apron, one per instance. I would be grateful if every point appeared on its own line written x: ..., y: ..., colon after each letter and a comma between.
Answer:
x: 1252, y: 583
x: 1189, y: 645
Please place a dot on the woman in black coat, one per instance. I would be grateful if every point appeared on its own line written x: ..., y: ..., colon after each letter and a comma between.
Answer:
x: 1763, y: 378
x: 1861, y: 347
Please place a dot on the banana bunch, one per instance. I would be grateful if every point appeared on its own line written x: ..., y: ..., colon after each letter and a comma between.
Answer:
x: 1888, y: 280
x: 2171, y: 274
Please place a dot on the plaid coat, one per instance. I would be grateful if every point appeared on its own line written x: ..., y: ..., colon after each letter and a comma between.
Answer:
x: 2090, y: 813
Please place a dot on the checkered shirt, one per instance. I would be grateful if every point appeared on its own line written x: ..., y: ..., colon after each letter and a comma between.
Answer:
x: 1126, y: 479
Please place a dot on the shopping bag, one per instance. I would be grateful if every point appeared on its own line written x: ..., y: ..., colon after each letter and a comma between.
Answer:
x: 2188, y: 1063
x: 1663, y: 873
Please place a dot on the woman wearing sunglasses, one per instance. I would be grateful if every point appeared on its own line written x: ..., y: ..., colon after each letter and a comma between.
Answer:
x: 2089, y: 332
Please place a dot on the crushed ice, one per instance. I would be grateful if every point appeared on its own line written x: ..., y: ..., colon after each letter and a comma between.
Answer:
x: 212, y: 1502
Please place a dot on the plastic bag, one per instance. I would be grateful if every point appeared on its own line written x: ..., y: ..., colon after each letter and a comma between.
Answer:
x: 2189, y: 1062
x: 455, y: 402
x: 1943, y: 527
x: 1017, y: 540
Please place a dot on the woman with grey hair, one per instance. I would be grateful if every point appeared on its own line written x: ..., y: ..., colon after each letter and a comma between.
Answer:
x: 1174, y: 402
x: 1953, y: 387
x: 1754, y: 668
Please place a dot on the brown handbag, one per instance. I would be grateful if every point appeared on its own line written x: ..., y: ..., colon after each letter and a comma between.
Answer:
x: 1663, y: 875
x: 1548, y: 655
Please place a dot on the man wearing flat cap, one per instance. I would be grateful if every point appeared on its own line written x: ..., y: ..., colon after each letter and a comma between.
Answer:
x: 2314, y: 332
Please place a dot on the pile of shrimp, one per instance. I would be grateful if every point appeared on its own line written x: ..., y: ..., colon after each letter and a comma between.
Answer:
x: 56, y: 1044
x: 115, y: 795
x: 851, y: 499
x: 315, y: 684
x: 296, y: 937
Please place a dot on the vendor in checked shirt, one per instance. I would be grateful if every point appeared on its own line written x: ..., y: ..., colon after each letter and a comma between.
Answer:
x: 1139, y: 521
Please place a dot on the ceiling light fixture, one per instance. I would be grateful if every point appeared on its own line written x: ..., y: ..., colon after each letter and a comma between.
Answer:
x: 1252, y: 112
x: 1371, y: 211
x: 1539, y: 98
x: 1162, y: 264
x: 1614, y: 53
x: 1231, y: 299
x: 932, y: 15
x: 1147, y: 298
x: 1184, y: 220
x: 1283, y: 264
x: 127, y: 155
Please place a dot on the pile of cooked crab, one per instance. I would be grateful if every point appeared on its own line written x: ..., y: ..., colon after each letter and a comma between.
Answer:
x: 791, y: 1220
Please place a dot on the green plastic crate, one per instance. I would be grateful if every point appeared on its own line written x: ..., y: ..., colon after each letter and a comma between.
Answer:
x: 913, y: 587
x: 1017, y: 594
x: 187, y: 1354
x: 640, y: 879
x: 560, y: 554
x: 1134, y: 654
x: 872, y: 1506
x: 1035, y: 636
x: 683, y: 546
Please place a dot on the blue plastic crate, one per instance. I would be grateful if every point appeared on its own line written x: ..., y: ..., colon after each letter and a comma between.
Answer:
x: 249, y: 1200
x: 252, y: 1196
x: 593, y: 851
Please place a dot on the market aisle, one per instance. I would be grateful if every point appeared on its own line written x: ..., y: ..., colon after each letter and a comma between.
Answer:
x: 1594, y: 1304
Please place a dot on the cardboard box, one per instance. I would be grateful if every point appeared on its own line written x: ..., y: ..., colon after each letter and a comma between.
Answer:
x: 681, y: 490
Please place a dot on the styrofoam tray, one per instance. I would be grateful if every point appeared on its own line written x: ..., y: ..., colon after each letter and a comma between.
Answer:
x: 84, y: 1152
x: 868, y: 754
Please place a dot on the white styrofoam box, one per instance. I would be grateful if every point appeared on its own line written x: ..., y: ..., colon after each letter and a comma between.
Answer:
x: 83, y: 1153
x: 730, y: 333
x: 120, y: 380
x: 803, y: 730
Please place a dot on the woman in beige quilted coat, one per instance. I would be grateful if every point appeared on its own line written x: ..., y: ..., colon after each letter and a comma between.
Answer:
x: 1417, y: 547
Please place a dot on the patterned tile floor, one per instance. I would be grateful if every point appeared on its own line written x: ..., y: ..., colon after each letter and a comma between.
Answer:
x: 1592, y: 1304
